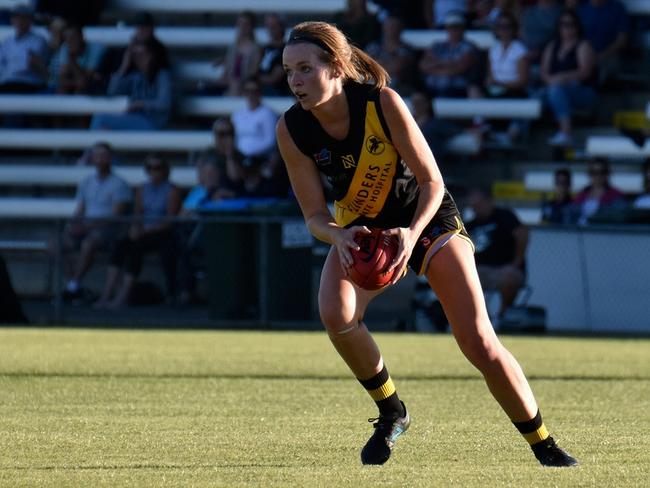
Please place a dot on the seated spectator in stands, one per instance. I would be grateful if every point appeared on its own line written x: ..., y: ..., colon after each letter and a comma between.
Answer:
x: 157, y: 201
x: 23, y: 56
x: 148, y: 86
x: 559, y: 209
x: 357, y: 23
x: 397, y: 57
x: 447, y: 67
x: 435, y: 11
x: 568, y: 72
x: 55, y: 30
x: 74, y: 67
x: 501, y: 241
x: 208, y: 192
x: 437, y: 132
x: 643, y: 200
x: 225, y: 154
x: 606, y: 26
x: 102, y: 195
x: 271, y: 73
x: 242, y: 58
x: 255, y: 126
x: 507, y: 72
x: 538, y: 26
x: 599, y: 195
x: 144, y: 31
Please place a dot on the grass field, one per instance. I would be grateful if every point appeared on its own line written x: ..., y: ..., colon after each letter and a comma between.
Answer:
x: 167, y: 408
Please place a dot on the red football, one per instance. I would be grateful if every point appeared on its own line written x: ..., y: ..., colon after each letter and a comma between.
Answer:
x: 376, y: 253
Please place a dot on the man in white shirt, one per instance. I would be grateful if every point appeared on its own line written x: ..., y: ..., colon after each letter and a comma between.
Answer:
x: 23, y: 56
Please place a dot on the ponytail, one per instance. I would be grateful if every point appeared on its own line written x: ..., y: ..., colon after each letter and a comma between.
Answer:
x: 368, y: 69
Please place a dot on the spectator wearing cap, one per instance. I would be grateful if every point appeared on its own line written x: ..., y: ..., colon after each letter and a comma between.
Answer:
x: 23, y: 56
x: 447, y: 67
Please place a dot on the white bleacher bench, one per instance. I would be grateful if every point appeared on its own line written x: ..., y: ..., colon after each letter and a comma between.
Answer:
x: 620, y: 147
x: 36, y: 207
x: 75, y: 139
x: 221, y: 37
x: 453, y: 108
x: 23, y: 246
x: 544, y: 181
x: 164, y: 140
x: 50, y: 175
x: 209, y: 106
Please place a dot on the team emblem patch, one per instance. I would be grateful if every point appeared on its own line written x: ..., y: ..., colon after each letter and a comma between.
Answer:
x: 374, y: 145
x: 323, y: 158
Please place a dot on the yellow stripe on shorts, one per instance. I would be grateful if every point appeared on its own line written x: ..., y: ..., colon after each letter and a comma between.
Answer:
x: 383, y: 392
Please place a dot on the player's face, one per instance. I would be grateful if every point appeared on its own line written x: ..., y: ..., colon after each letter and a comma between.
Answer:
x: 311, y: 80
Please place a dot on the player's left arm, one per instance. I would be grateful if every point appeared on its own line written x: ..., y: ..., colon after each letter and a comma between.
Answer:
x: 416, y: 153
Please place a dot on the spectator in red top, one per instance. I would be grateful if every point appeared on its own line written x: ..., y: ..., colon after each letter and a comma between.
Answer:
x: 599, y: 194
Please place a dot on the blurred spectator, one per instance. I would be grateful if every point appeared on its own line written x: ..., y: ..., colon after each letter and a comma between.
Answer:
x: 567, y: 70
x: 599, y: 195
x: 538, y: 26
x: 242, y: 58
x: 358, y: 24
x: 87, y: 12
x: 23, y: 56
x: 485, y: 13
x: 271, y: 73
x: 74, y: 67
x: 501, y: 241
x: 606, y: 27
x: 55, y: 29
x: 156, y: 201
x: 436, y: 11
x: 208, y: 192
x: 148, y: 86
x: 226, y: 155
x: 558, y: 209
x: 102, y: 195
x: 507, y: 73
x: 397, y: 57
x: 410, y: 13
x: 447, y: 67
x: 255, y: 125
x: 145, y: 31
x: 643, y: 200
x: 437, y: 132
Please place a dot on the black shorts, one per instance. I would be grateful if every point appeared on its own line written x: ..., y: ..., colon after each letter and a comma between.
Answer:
x: 434, y: 236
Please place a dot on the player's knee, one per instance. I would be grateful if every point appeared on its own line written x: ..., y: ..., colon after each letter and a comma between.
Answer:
x: 482, y: 350
x: 336, y: 321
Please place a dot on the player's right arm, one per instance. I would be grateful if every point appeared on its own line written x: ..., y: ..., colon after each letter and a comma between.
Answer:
x: 308, y: 189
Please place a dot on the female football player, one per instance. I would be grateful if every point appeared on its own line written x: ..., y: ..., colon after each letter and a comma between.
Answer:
x: 348, y: 126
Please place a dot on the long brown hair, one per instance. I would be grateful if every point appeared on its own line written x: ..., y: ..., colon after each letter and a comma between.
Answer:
x: 337, y: 50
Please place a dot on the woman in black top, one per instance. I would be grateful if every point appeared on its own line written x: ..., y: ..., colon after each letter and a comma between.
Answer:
x: 356, y: 132
x: 568, y: 69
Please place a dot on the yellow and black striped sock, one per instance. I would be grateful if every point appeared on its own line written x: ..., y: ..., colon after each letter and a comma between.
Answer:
x: 534, y: 430
x: 382, y: 390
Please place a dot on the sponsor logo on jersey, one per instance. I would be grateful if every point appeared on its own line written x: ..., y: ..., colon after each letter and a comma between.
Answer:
x: 374, y: 145
x: 323, y: 158
x: 348, y: 161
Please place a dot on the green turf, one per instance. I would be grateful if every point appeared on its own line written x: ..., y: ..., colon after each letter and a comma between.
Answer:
x: 151, y: 408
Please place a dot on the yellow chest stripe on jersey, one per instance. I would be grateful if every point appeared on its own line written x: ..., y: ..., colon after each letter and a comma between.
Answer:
x: 373, y: 178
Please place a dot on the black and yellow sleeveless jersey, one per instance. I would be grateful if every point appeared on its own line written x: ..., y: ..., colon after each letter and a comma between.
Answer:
x: 371, y: 183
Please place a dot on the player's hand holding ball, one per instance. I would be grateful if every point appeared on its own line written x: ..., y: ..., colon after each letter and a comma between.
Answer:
x: 371, y: 267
